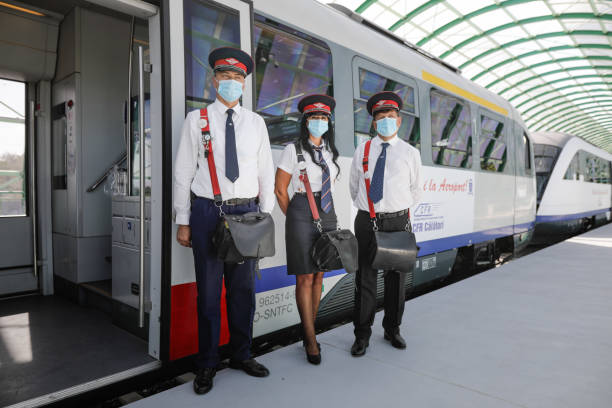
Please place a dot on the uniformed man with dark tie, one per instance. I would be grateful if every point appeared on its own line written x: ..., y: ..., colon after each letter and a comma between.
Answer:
x: 245, y: 171
x: 394, y: 174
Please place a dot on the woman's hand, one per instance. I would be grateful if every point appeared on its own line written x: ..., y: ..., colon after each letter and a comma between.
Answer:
x: 281, y: 185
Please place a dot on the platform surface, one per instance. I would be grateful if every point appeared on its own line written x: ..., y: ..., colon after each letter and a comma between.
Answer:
x: 535, y: 332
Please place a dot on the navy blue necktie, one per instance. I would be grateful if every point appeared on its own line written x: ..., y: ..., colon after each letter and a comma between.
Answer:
x: 231, y: 157
x: 378, y: 179
x: 326, y: 198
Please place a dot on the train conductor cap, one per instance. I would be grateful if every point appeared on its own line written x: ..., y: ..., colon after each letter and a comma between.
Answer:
x: 230, y: 59
x: 383, y: 101
x: 324, y: 104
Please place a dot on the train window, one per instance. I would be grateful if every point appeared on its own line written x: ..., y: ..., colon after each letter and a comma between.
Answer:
x: 370, y: 84
x: 527, y: 150
x: 596, y: 169
x: 206, y: 28
x: 289, y: 65
x: 451, y: 131
x: 573, y: 169
x: 12, y: 149
x: 493, y: 149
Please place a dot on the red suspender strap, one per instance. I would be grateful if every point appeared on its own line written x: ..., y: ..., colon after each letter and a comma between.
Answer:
x: 366, y: 155
x: 208, y: 153
x: 311, y: 200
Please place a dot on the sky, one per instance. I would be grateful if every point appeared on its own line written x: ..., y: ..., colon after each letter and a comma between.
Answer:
x: 12, y: 135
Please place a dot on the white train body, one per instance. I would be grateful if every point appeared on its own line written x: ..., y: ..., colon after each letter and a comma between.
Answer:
x: 574, y: 184
x: 463, y: 207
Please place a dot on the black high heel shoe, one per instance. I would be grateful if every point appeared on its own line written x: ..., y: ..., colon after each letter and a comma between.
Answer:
x: 313, y: 358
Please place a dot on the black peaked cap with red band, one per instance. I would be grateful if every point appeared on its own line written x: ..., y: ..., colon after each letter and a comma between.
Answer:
x: 383, y: 101
x: 317, y: 104
x: 230, y: 59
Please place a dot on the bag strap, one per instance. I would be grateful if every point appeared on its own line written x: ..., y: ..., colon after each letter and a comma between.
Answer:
x: 304, y: 178
x: 366, y: 156
x: 208, y: 154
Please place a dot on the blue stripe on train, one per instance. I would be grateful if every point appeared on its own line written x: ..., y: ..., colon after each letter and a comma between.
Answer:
x: 276, y: 277
x: 568, y: 217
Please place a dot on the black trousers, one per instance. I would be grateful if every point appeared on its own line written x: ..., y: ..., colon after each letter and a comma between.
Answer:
x: 365, y: 279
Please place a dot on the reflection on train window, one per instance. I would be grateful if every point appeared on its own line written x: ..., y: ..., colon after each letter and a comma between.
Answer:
x: 451, y: 131
x: 573, y: 169
x: 597, y: 170
x: 493, y: 149
x: 371, y: 83
x: 206, y: 28
x: 289, y: 65
x: 12, y: 149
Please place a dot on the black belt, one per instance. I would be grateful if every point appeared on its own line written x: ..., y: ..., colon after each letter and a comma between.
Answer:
x: 234, y: 201
x: 381, y: 216
x: 314, y: 193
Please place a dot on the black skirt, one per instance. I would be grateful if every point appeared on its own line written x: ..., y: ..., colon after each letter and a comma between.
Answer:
x: 301, y: 233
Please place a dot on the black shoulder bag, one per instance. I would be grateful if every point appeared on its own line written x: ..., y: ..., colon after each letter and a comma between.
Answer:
x: 237, y: 237
x: 333, y: 249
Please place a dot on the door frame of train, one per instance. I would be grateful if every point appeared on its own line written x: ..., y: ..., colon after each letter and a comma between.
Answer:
x: 175, y: 257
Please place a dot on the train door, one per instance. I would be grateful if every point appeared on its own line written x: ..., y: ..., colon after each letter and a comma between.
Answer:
x: 18, y: 273
x: 525, y: 197
x: 81, y: 111
x: 195, y: 28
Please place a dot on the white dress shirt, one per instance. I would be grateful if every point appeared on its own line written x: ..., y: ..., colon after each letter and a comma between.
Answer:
x: 402, y: 181
x: 289, y: 163
x: 254, y: 160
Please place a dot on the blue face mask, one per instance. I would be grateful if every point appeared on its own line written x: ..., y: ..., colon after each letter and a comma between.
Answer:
x: 317, y: 127
x: 386, y: 126
x: 230, y: 90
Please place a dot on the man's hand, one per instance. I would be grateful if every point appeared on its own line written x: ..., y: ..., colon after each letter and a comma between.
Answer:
x: 183, y: 235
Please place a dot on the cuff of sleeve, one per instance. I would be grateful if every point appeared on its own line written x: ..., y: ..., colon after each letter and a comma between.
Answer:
x: 182, y: 219
x: 285, y: 169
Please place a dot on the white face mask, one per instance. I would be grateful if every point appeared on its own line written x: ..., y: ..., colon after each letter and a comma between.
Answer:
x: 386, y: 126
x: 230, y: 89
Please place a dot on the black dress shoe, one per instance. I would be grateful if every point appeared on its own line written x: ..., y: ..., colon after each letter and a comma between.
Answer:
x: 396, y: 340
x: 251, y: 367
x: 204, y: 380
x: 359, y: 347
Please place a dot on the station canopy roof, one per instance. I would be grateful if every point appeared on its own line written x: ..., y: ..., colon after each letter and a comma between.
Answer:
x: 552, y: 59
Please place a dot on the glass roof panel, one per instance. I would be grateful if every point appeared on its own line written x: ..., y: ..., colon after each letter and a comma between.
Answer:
x: 553, y: 68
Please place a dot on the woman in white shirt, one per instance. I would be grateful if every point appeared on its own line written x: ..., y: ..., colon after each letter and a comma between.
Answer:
x: 316, y: 143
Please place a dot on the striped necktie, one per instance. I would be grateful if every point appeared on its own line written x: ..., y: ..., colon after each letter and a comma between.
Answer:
x: 326, y: 198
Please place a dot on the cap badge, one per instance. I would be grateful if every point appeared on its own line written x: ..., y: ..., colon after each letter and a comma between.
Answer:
x: 319, y: 105
x: 232, y: 61
x: 380, y: 103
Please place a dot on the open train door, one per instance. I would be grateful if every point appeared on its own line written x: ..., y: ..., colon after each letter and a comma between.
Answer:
x: 195, y: 28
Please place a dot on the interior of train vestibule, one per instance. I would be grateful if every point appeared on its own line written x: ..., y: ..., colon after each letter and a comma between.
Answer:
x: 76, y: 100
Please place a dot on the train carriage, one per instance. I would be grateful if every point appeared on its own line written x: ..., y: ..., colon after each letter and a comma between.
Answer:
x: 95, y: 107
x: 574, y: 191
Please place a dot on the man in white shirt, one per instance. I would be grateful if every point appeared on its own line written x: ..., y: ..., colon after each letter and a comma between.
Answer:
x: 245, y: 172
x: 395, y: 186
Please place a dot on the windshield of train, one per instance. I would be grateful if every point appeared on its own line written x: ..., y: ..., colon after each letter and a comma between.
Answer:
x: 545, y: 158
